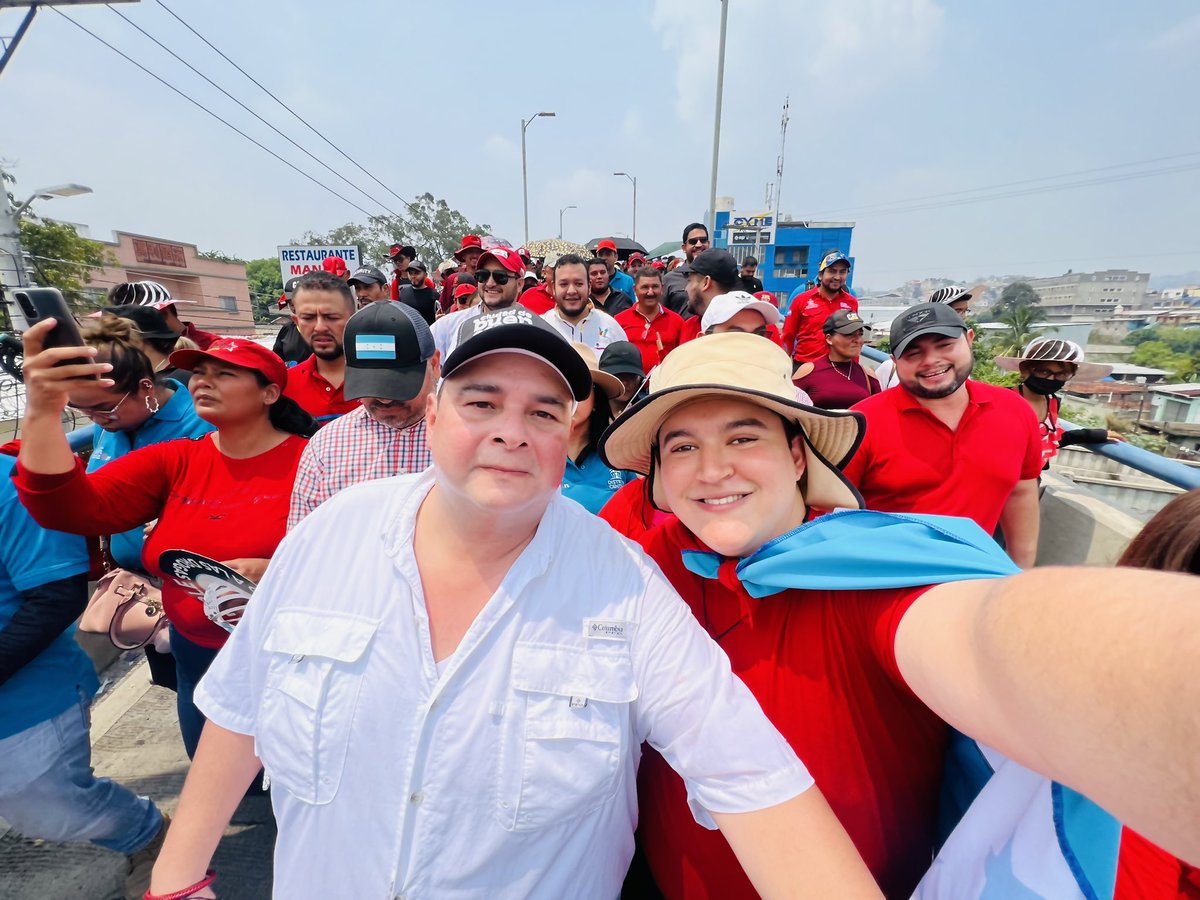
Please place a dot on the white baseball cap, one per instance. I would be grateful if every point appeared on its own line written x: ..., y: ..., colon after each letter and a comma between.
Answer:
x: 724, y: 307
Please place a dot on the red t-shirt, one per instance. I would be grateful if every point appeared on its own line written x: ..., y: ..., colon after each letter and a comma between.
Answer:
x: 822, y: 665
x: 654, y: 338
x: 204, y: 501
x: 909, y: 461
x: 316, y: 396
x: 805, y: 322
x: 202, y: 338
x: 837, y: 385
x: 690, y: 330
x: 537, y: 299
x: 1147, y: 872
x: 630, y: 512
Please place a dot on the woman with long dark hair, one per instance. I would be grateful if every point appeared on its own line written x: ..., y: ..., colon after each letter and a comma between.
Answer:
x: 587, y: 480
x: 224, y: 496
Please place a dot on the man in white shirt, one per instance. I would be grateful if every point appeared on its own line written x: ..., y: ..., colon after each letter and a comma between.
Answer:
x: 498, y: 274
x: 462, y: 718
x: 574, y: 316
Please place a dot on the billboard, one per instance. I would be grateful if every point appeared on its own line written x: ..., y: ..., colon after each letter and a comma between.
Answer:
x: 295, y: 261
x: 756, y: 229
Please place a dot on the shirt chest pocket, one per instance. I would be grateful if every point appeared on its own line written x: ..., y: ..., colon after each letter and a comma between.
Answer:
x: 314, y: 677
x: 566, y: 740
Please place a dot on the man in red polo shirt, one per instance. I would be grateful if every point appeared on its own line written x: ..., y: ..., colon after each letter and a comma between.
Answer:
x: 653, y: 328
x: 321, y: 306
x: 941, y: 443
x: 802, y: 330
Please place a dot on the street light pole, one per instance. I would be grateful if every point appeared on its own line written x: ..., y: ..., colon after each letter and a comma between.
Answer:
x: 12, y: 260
x: 632, y: 178
x: 524, y: 168
x: 560, y: 215
x: 712, y: 191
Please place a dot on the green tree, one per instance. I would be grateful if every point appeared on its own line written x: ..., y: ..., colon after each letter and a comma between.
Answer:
x: 266, y: 285
x: 1019, y: 331
x: 431, y: 226
x: 1014, y: 295
x: 59, y: 257
x: 220, y: 256
x: 1159, y: 355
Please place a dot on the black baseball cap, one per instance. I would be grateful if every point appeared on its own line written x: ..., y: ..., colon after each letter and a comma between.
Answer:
x: 622, y: 358
x: 388, y: 347
x: 922, y: 319
x: 844, y: 321
x: 402, y: 250
x: 719, y: 265
x: 418, y: 265
x: 519, y: 330
x: 289, y: 287
x: 367, y: 275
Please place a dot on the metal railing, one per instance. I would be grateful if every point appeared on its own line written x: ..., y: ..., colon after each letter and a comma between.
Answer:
x: 1172, y: 471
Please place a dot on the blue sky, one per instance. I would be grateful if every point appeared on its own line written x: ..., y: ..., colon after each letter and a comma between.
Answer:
x: 891, y: 100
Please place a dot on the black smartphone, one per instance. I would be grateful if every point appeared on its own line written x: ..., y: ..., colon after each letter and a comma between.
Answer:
x: 31, y: 305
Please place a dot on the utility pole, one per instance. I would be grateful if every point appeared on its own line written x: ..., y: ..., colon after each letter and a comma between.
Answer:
x: 783, y: 124
x: 524, y: 169
x: 560, y: 215
x: 10, y: 44
x: 12, y: 260
x: 712, y: 190
x: 632, y: 178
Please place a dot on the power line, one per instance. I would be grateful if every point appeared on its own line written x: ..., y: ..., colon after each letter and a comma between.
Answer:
x: 1007, y: 184
x: 201, y: 107
x: 300, y: 118
x: 303, y: 150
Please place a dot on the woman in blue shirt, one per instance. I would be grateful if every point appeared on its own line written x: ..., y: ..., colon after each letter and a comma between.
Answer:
x: 587, y: 480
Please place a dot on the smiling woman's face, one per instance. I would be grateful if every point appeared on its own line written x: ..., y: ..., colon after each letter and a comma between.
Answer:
x: 729, y: 472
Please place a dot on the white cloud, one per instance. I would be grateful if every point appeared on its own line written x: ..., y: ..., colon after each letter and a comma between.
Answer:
x: 502, y: 149
x: 1184, y: 35
x: 848, y: 46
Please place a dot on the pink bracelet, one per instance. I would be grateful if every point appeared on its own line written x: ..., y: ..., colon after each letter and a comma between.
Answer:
x: 209, y: 877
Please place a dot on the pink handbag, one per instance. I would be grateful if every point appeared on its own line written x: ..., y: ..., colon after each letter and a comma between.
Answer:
x: 128, y: 607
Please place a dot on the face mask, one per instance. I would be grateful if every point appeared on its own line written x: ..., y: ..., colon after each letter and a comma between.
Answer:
x: 1043, y: 386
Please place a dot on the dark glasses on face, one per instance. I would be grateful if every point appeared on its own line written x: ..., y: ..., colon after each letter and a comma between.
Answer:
x: 501, y: 278
x: 699, y: 240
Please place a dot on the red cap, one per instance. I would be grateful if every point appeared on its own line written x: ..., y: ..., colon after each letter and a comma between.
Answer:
x: 636, y: 255
x: 334, y: 265
x: 469, y: 242
x: 506, y: 257
x: 607, y: 244
x: 283, y: 301
x: 658, y: 264
x: 767, y: 296
x: 524, y: 254
x: 238, y: 351
x: 462, y: 290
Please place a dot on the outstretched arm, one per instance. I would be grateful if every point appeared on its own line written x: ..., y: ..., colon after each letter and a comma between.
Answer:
x: 797, y: 849
x: 1020, y: 521
x: 1086, y: 675
x: 224, y: 766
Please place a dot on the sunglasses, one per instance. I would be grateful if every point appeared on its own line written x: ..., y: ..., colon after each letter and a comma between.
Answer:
x: 699, y: 240
x: 496, y: 275
x: 93, y: 413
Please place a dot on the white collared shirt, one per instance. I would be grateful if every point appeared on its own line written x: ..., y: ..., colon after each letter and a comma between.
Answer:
x: 597, y: 329
x: 445, y: 329
x: 512, y: 772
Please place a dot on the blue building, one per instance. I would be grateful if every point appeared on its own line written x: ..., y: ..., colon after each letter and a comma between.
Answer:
x: 788, y: 251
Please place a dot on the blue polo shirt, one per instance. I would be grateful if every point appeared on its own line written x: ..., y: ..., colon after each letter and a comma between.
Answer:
x: 175, y: 419
x: 31, y: 556
x: 620, y: 281
x: 592, y: 484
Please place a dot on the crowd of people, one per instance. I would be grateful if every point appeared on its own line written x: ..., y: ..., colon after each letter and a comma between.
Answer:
x: 597, y: 576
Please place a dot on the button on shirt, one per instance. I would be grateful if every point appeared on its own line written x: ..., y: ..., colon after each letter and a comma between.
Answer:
x: 596, y: 330
x: 355, y: 448
x: 509, y: 773
x: 654, y: 338
x: 314, y: 393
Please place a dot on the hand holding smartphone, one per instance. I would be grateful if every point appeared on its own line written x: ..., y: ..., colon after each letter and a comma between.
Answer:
x: 32, y: 305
